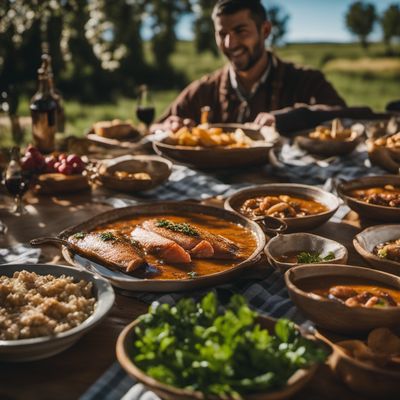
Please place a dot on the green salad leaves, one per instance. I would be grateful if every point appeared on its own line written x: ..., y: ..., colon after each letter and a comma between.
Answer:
x: 194, y: 346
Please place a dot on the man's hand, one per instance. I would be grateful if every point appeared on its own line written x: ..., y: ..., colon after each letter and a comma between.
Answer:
x: 174, y: 123
x: 264, y: 119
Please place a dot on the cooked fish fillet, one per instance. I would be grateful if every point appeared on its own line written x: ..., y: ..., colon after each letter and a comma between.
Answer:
x: 160, y: 246
x: 110, y: 248
x: 199, y: 243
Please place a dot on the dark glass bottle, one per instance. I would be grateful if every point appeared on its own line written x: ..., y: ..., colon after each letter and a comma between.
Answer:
x: 44, y: 114
x: 46, y: 64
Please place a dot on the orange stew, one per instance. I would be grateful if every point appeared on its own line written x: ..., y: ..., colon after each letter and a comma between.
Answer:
x: 387, y: 196
x: 351, y: 291
x: 281, y: 206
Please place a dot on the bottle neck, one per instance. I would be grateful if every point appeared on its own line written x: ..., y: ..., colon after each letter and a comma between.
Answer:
x: 45, y: 86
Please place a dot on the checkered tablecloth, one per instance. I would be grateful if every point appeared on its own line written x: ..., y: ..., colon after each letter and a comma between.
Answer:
x: 268, y: 296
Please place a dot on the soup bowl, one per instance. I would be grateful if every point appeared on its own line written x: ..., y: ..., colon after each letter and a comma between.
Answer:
x: 295, y: 243
x: 368, y: 210
x: 366, y: 241
x: 331, y: 202
x: 336, y: 316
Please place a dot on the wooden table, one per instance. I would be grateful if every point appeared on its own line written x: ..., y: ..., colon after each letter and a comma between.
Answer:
x: 69, y: 374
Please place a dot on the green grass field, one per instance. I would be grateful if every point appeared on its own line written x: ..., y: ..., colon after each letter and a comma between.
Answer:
x: 362, y: 78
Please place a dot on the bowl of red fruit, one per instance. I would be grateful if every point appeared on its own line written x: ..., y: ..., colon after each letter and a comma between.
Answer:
x: 57, y: 172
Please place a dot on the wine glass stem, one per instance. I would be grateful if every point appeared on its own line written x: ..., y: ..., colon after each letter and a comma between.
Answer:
x: 19, y: 206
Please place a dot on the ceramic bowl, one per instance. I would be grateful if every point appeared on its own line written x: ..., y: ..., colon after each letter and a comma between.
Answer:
x: 220, y: 157
x: 235, y: 201
x: 335, y: 316
x: 124, y: 356
x: 47, y: 346
x: 363, y: 378
x: 331, y: 147
x: 158, y: 168
x: 367, y: 210
x: 383, y: 156
x: 369, y: 238
x: 296, y: 243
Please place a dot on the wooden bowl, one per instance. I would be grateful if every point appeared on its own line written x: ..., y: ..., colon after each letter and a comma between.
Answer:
x: 59, y: 183
x: 369, y: 238
x: 330, y: 147
x: 363, y: 378
x: 124, y: 356
x: 298, y: 242
x: 386, y: 157
x: 235, y: 201
x: 220, y: 157
x: 158, y: 168
x: 366, y: 210
x: 336, y: 316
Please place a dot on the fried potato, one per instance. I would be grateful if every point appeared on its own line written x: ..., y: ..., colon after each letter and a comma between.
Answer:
x: 209, y: 137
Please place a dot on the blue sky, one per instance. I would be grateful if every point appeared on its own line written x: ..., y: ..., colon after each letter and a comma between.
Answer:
x: 310, y: 20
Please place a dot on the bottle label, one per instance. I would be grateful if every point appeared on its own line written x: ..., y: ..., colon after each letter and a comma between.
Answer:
x: 44, y: 129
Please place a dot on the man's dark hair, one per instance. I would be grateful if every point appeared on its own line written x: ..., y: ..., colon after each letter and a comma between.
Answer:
x: 228, y: 7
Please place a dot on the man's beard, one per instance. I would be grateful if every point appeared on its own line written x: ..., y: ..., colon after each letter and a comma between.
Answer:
x: 252, y: 59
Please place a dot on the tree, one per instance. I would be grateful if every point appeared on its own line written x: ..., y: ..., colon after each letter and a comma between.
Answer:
x: 360, y: 20
x: 204, y: 28
x: 390, y: 22
x: 279, y: 20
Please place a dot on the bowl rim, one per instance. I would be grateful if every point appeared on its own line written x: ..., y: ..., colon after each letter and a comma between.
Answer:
x: 355, y: 135
x: 298, y: 186
x: 338, y: 269
x: 342, y: 191
x: 127, y: 364
x: 311, y: 235
x: 105, y: 298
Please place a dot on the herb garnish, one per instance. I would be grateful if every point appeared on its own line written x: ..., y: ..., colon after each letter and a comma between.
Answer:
x: 309, y: 258
x: 382, y: 253
x: 79, y: 235
x: 192, y: 274
x: 182, y: 228
x: 193, y: 345
x: 106, y: 236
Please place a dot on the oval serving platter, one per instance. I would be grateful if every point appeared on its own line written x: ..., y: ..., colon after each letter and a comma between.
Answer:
x: 131, y: 283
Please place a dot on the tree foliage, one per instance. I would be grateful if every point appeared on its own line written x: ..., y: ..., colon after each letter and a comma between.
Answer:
x: 279, y: 21
x: 390, y: 22
x: 360, y: 20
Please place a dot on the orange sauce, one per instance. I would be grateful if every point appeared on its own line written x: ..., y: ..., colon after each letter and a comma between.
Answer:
x: 321, y: 285
x: 158, y: 269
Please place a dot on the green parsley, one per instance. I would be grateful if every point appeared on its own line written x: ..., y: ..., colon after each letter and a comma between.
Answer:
x: 382, y: 253
x: 106, y: 236
x: 79, y: 235
x: 310, y: 258
x: 181, y: 228
x: 193, y: 345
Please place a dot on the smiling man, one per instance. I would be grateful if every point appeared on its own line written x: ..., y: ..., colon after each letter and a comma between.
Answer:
x: 255, y: 86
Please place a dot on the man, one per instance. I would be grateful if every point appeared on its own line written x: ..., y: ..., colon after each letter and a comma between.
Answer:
x: 255, y: 86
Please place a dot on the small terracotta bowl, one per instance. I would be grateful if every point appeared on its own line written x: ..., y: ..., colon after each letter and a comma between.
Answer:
x: 335, y: 316
x: 299, y: 242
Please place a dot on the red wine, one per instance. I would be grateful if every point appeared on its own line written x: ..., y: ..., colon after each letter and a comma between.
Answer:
x: 145, y: 114
x: 17, y: 185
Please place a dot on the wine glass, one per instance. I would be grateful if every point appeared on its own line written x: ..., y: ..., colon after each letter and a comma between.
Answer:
x: 17, y: 182
x: 145, y: 110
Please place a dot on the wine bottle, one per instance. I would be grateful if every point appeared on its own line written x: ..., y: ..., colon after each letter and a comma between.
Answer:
x: 46, y: 64
x: 43, y: 108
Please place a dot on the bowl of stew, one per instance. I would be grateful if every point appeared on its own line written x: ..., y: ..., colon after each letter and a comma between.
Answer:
x: 301, y: 207
x: 345, y: 299
x: 373, y: 197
